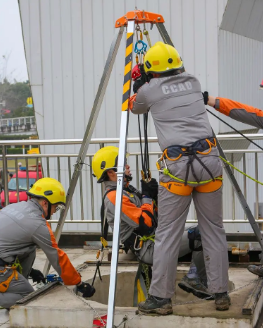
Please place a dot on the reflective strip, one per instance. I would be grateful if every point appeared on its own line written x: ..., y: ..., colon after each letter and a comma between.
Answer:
x: 177, y: 188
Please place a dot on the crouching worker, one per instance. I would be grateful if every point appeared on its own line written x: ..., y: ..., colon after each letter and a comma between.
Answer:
x: 23, y: 226
x: 139, y: 220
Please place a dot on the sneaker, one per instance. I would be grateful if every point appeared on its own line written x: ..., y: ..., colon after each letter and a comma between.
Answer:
x: 222, y: 301
x: 196, y: 287
x: 156, y: 305
x: 256, y: 269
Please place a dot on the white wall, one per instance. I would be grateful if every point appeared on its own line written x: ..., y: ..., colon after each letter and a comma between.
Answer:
x: 67, y: 43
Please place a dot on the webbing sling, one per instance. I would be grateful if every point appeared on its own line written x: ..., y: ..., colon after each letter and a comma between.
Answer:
x: 5, y: 284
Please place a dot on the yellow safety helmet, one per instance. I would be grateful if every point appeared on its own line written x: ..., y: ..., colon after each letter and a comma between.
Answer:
x: 49, y: 189
x: 161, y: 58
x: 104, y: 160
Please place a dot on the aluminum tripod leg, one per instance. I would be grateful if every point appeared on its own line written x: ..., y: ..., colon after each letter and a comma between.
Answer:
x: 242, y: 199
x: 120, y: 173
x: 87, y: 137
x: 240, y: 196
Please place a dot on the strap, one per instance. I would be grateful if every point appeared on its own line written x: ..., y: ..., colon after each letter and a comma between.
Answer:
x: 104, y: 222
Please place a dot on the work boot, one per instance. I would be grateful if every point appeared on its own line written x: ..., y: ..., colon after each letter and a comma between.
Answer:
x: 222, y: 301
x: 256, y: 269
x: 156, y: 305
x: 196, y: 287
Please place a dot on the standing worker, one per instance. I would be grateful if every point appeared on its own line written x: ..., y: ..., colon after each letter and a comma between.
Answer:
x: 23, y: 226
x: 189, y: 169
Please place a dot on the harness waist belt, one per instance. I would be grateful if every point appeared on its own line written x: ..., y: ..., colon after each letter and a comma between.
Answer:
x: 197, y: 147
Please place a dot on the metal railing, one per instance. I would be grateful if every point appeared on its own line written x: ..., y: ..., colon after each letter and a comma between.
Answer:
x: 60, y: 166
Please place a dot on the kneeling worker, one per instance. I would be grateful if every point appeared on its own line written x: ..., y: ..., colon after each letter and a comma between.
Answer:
x: 138, y: 219
x: 23, y: 226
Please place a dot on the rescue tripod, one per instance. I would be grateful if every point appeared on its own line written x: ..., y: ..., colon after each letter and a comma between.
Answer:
x: 129, y: 20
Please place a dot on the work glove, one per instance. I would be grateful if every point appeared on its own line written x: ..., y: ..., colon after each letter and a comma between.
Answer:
x: 137, y: 84
x: 206, y: 97
x: 86, y: 289
x: 37, y: 276
x: 143, y: 229
x: 150, y: 188
x: 131, y: 101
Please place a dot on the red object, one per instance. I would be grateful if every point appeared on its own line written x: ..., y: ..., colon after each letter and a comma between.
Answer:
x: 6, y: 111
x: 139, y: 16
x: 261, y: 85
x: 32, y: 176
x: 98, y: 323
x: 136, y: 73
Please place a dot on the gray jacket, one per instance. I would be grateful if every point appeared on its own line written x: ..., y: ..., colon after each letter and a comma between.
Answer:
x: 133, y: 208
x: 22, y: 227
x: 177, y: 107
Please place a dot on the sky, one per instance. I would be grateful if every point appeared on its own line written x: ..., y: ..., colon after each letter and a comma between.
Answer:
x: 12, y: 53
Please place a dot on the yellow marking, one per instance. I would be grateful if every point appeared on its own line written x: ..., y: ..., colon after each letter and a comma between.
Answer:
x: 126, y: 86
x: 128, y: 50
x: 125, y: 105
x: 127, y: 68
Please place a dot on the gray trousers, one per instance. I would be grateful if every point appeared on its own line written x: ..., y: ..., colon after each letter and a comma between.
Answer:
x: 18, y: 288
x: 172, y: 214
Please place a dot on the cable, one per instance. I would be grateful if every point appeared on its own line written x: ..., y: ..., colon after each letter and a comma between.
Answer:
x: 220, y: 119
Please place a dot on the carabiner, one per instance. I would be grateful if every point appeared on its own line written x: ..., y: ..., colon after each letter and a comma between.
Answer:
x: 142, y: 49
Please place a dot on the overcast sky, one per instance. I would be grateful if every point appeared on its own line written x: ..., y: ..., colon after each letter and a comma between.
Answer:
x: 11, y: 42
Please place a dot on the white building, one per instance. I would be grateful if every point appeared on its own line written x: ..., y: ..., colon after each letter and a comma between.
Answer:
x: 67, y: 43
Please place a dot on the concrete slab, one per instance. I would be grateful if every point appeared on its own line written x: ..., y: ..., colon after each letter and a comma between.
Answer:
x: 76, y: 312
x: 57, y: 308
x: 4, y: 316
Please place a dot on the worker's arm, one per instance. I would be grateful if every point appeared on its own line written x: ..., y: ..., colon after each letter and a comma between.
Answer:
x: 59, y: 260
x: 139, y: 103
x: 136, y: 217
x: 237, y: 111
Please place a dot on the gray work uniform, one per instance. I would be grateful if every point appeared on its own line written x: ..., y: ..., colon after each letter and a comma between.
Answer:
x: 22, y: 228
x: 132, y: 208
x: 177, y: 107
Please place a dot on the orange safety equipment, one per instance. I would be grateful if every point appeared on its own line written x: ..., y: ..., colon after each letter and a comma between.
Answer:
x: 185, y: 190
x: 5, y: 284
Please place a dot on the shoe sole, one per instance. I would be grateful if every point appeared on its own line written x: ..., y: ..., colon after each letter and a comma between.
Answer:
x: 155, y: 312
x: 196, y: 293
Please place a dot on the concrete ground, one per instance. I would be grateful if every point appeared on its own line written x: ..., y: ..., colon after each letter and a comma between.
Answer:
x: 240, y: 276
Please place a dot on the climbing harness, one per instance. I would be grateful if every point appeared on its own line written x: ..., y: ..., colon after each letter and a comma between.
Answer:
x: 173, y: 153
x: 5, y: 284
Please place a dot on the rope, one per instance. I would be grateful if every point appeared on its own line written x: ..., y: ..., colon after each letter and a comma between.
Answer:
x: 167, y: 172
x: 230, y: 126
x: 246, y: 175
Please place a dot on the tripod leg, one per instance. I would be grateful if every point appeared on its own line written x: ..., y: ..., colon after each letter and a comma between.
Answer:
x: 120, y: 173
x: 89, y: 130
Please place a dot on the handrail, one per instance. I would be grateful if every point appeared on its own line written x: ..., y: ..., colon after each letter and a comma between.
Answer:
x: 57, y: 142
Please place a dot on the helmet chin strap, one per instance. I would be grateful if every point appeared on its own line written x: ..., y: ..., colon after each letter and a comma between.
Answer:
x: 48, y: 211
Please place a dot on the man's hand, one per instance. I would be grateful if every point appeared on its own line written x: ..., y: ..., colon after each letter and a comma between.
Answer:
x: 37, y: 276
x: 143, y: 229
x: 150, y: 188
x: 86, y: 289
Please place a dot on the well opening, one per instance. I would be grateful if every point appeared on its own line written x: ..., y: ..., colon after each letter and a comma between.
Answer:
x: 125, y: 289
